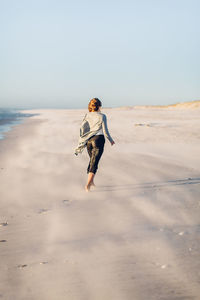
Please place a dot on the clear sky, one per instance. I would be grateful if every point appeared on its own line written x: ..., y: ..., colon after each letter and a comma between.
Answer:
x: 61, y: 53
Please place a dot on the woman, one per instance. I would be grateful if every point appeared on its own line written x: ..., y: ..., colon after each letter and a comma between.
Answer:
x: 92, y: 131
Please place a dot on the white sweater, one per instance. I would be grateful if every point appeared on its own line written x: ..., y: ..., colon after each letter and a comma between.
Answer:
x: 92, y: 124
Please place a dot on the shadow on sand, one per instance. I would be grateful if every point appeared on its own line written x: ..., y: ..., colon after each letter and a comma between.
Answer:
x: 149, y: 185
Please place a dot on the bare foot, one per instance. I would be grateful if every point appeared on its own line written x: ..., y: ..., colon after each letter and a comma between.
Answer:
x: 87, y: 188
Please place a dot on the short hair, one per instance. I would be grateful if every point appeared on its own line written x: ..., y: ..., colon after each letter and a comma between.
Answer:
x: 94, y: 104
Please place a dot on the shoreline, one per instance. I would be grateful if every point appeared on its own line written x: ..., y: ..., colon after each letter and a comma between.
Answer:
x: 193, y: 105
x: 11, y: 118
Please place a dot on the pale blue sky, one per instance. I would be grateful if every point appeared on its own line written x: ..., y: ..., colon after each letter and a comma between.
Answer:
x: 56, y: 53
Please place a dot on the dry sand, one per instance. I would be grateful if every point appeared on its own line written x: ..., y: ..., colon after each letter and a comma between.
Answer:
x: 135, y: 237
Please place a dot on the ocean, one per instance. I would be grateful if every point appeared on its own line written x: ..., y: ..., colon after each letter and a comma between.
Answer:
x: 9, y: 118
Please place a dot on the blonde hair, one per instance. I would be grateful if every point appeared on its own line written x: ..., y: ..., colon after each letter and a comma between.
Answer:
x: 94, y: 104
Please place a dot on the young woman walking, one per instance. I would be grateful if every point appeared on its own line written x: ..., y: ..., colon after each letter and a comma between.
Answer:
x: 92, y: 132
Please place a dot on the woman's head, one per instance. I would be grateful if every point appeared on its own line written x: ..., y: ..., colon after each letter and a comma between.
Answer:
x: 94, y: 105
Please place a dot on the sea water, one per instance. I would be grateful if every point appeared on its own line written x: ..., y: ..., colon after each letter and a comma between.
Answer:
x: 9, y: 118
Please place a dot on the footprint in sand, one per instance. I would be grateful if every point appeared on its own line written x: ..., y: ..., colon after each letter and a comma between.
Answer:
x: 22, y: 266
x: 66, y: 201
x: 3, y: 241
x: 181, y: 233
x: 162, y: 266
x: 43, y: 262
x: 43, y: 211
x: 4, y: 224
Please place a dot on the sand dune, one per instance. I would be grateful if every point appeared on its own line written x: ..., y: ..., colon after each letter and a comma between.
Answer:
x: 134, y: 237
x: 192, y: 104
x: 182, y: 105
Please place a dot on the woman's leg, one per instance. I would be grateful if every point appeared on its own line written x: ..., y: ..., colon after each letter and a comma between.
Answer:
x: 89, y: 150
x: 90, y: 181
x: 95, y: 147
x: 91, y: 175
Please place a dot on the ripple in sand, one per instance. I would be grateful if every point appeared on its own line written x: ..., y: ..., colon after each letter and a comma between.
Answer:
x: 3, y: 241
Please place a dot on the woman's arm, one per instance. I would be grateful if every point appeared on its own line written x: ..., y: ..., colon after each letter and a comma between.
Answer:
x: 105, y: 130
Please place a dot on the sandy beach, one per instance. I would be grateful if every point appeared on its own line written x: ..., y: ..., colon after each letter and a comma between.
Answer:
x: 136, y: 236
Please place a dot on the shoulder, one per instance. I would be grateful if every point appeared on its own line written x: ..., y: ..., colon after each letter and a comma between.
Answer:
x: 85, y: 117
x: 102, y: 116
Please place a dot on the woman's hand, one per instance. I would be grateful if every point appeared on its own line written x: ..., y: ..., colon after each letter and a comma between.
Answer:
x: 112, y: 143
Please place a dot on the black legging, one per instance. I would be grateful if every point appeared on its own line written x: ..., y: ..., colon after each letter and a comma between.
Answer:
x: 95, y: 146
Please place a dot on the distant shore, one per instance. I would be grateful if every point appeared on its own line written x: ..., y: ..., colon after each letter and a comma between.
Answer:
x: 182, y: 105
